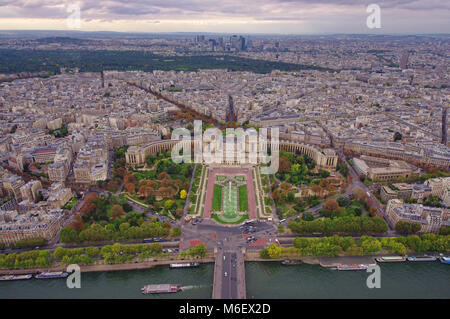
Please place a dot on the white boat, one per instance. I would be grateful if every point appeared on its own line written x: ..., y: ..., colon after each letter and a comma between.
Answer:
x: 422, y: 258
x: 161, y: 289
x: 352, y: 267
x: 390, y: 259
x: 184, y: 265
x: 15, y: 277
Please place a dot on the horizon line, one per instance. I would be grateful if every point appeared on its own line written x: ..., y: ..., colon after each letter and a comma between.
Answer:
x: 218, y: 33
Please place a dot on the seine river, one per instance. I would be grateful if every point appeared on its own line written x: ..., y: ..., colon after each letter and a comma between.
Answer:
x: 264, y: 280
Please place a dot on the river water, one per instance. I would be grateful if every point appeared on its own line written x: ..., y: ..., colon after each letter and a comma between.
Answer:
x: 264, y: 280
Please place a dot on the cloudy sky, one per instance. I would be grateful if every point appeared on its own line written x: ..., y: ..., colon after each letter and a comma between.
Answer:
x: 234, y: 16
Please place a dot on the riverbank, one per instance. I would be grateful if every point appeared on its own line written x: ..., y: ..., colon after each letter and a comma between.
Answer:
x: 106, y: 267
x: 250, y: 256
x: 326, y: 262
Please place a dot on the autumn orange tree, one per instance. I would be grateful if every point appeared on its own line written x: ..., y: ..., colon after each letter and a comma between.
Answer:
x: 317, y: 190
x: 112, y: 185
x: 89, y: 204
x: 284, y: 165
x: 163, y: 175
x: 77, y: 223
x: 128, y: 178
x: 331, y: 206
x: 130, y: 187
x: 372, y: 211
x: 285, y: 186
x: 145, y: 191
x: 276, y: 195
x: 119, y: 172
x: 117, y: 211
x: 359, y: 194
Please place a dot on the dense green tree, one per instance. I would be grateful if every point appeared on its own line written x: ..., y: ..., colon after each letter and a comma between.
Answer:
x: 68, y: 235
x: 92, y: 251
x: 274, y: 251
x: 176, y: 232
x: 405, y: 228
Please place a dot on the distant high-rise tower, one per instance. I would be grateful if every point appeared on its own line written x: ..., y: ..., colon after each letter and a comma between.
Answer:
x: 444, y: 125
x: 103, y: 79
x: 404, y: 60
x: 200, y: 38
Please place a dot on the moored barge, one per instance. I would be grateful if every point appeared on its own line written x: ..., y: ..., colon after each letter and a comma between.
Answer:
x: 422, y: 258
x: 51, y: 275
x: 352, y: 267
x: 15, y: 277
x: 390, y: 259
x: 184, y: 265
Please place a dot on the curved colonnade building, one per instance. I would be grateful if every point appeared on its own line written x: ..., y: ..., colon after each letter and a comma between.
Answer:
x: 324, y: 158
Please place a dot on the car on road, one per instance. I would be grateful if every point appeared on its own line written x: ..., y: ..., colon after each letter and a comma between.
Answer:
x: 251, y: 239
x: 225, y: 274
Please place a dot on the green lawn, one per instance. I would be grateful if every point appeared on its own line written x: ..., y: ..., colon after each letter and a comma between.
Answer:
x: 243, y: 200
x: 217, y: 198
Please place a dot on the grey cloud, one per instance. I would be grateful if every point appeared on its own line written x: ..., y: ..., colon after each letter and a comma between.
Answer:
x: 261, y: 10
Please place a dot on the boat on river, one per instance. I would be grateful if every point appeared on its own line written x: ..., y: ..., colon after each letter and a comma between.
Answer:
x: 352, y: 267
x: 184, y: 265
x: 161, y: 289
x: 422, y: 258
x: 51, y: 275
x: 390, y: 259
x: 15, y: 277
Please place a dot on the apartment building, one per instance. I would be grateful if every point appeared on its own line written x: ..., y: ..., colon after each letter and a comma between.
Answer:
x: 430, y: 218
x: 32, y: 224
